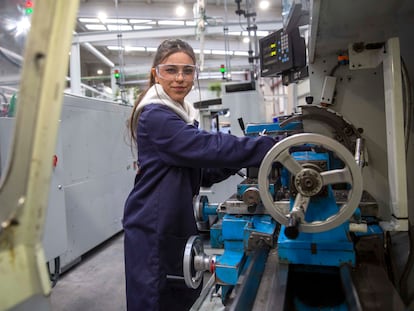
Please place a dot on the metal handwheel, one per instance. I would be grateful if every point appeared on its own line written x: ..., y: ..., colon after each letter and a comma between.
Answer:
x: 193, y: 248
x: 309, y: 181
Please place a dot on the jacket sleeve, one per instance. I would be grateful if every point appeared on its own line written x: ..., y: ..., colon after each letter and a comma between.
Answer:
x: 210, y: 176
x: 180, y: 144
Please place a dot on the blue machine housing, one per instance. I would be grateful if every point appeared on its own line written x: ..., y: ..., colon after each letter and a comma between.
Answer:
x: 329, y: 248
x: 243, y: 235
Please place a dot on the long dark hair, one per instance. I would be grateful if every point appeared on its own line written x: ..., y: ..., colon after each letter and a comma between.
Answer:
x: 165, y: 49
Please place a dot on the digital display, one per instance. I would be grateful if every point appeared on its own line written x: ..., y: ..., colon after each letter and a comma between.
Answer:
x: 281, y: 52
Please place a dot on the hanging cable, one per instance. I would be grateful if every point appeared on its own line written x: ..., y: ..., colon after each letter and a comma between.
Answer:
x: 121, y: 62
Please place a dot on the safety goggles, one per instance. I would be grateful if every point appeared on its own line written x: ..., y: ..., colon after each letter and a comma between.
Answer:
x: 172, y: 71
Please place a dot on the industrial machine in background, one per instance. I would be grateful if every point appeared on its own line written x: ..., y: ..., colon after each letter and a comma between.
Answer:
x: 93, y: 170
x: 326, y: 222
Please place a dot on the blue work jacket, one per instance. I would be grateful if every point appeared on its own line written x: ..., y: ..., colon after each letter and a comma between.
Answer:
x: 175, y: 159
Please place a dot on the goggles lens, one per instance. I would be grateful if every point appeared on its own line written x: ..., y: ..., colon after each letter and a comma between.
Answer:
x: 172, y: 71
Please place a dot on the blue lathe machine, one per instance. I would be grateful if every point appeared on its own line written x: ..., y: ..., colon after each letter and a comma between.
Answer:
x: 306, y: 181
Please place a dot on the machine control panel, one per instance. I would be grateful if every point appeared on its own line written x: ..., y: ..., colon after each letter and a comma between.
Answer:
x: 281, y: 52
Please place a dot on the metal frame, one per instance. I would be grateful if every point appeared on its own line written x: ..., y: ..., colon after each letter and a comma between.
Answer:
x: 24, y: 189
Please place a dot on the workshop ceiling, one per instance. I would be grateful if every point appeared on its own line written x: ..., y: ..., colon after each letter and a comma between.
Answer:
x: 130, y: 31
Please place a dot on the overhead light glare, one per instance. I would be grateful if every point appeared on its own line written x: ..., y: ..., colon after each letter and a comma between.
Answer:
x: 180, y: 10
x: 102, y: 16
x: 264, y: 4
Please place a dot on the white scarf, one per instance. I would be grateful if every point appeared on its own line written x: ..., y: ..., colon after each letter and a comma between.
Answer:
x: 157, y: 95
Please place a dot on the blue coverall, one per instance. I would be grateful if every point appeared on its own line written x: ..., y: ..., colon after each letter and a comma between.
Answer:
x: 175, y: 159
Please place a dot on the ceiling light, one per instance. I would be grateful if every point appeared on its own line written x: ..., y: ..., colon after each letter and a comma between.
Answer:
x: 116, y: 21
x: 264, y: 4
x: 114, y: 48
x: 95, y: 27
x: 22, y: 26
x: 89, y: 20
x: 139, y: 21
x: 241, y: 53
x: 246, y: 39
x: 102, y: 16
x: 139, y: 27
x: 221, y: 52
x: 119, y: 27
x: 135, y: 48
x: 151, y: 49
x: 99, y: 71
x: 180, y: 10
x: 169, y: 22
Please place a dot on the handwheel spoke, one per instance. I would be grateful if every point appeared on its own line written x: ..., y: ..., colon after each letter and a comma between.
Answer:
x: 336, y: 176
x: 286, y: 159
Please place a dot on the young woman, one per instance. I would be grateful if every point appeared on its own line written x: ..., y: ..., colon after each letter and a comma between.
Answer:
x: 175, y: 159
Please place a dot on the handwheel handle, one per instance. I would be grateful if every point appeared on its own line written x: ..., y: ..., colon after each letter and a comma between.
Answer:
x: 292, y: 228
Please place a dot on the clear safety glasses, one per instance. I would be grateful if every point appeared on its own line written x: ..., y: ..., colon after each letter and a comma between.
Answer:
x: 172, y: 71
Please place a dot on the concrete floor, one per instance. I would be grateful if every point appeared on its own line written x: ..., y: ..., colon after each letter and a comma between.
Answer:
x: 97, y: 283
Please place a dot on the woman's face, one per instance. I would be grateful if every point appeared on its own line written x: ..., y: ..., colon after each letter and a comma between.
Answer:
x: 176, y: 75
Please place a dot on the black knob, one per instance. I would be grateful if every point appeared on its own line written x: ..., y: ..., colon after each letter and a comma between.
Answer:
x: 292, y: 229
x: 309, y: 100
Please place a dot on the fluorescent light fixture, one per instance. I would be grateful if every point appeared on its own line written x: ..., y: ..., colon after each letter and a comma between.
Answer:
x: 241, y: 53
x: 135, y: 48
x: 259, y: 33
x: 246, y: 39
x: 197, y: 51
x: 116, y: 21
x: 95, y: 27
x: 190, y: 23
x: 234, y: 33
x: 140, y: 27
x: 119, y: 27
x: 89, y: 20
x: 99, y: 71
x: 114, y: 48
x: 139, y: 21
x: 221, y: 52
x: 151, y: 49
x: 169, y: 22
